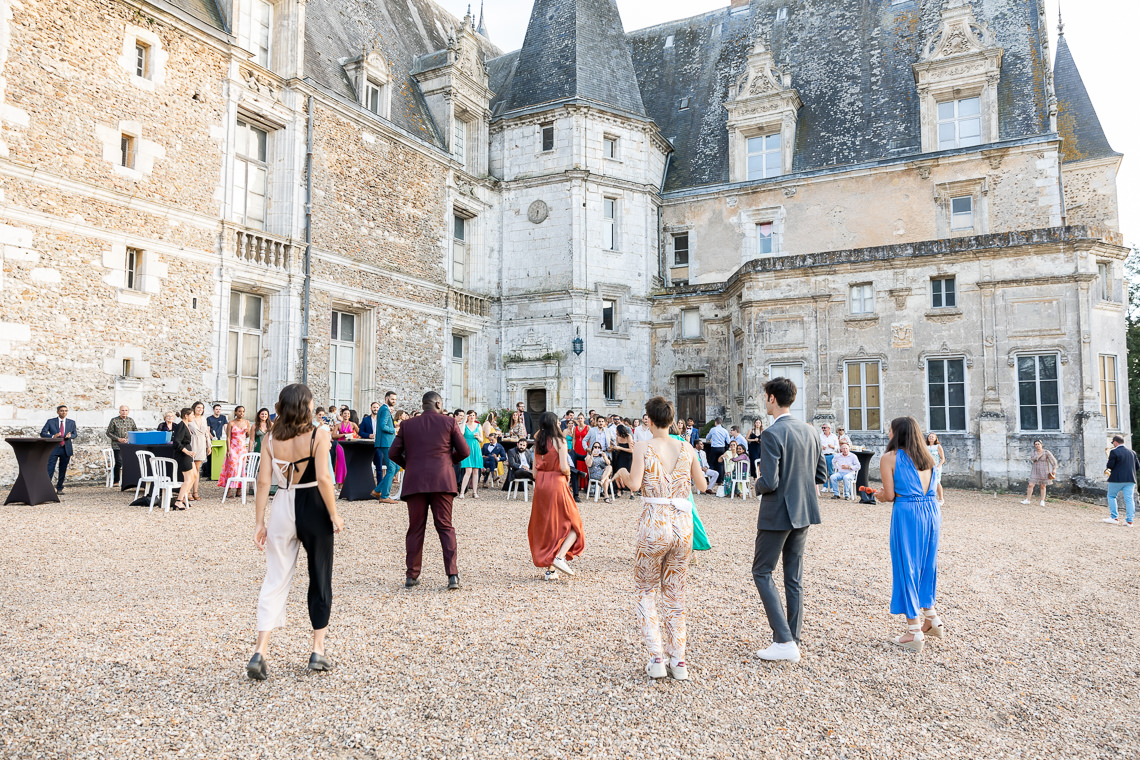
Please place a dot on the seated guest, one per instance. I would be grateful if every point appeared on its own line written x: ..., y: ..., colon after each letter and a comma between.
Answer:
x: 735, y: 453
x: 711, y: 475
x: 520, y: 464
x: 845, y: 466
x: 493, y: 454
x: 599, y: 467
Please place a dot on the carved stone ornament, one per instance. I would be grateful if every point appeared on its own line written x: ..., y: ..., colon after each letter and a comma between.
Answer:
x: 902, y: 336
x: 259, y: 84
x: 762, y: 101
x: 538, y: 212
x: 958, y: 34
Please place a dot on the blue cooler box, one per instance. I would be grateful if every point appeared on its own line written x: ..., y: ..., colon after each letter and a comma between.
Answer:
x: 148, y: 437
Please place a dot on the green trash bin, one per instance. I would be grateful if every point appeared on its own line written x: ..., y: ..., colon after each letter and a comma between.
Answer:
x: 217, y: 458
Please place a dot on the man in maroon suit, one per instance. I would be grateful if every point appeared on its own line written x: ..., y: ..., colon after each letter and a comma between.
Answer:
x: 428, y: 447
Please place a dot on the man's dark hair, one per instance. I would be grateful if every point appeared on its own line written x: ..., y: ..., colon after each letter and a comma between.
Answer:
x: 716, y: 420
x: 734, y: 429
x: 1118, y: 439
x: 217, y: 406
x: 432, y: 399
x: 61, y: 406
x: 659, y: 410
x: 388, y: 394
x: 570, y: 412
x: 782, y: 389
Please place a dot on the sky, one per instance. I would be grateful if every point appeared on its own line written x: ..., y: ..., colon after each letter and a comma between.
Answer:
x: 1100, y: 34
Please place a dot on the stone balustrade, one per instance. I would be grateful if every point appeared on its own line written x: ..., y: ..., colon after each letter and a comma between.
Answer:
x: 260, y: 248
x: 468, y: 303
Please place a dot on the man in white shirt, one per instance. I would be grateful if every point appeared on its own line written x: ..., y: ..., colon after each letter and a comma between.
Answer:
x: 710, y: 474
x: 611, y: 431
x: 642, y: 431
x: 829, y: 444
x: 846, y: 467
x: 717, y: 442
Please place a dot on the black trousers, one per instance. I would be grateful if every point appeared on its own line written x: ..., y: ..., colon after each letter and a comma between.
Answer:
x: 118, y: 464
x: 715, y: 453
x: 315, y: 532
x: 515, y: 474
x: 59, y: 453
x: 771, y: 547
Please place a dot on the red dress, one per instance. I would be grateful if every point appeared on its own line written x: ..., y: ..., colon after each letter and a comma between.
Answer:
x: 580, y: 434
x: 553, y: 512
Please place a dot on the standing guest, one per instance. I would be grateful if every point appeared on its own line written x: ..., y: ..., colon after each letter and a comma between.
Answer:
x: 664, y: 536
x: 520, y: 464
x: 117, y: 430
x: 426, y: 447
x: 597, y: 435
x: 473, y: 464
x: 384, y: 432
x: 493, y: 455
x: 907, y: 470
x: 692, y: 432
x: 791, y: 465
x: 711, y: 475
x: 621, y: 455
x: 518, y: 431
x: 64, y: 429
x: 261, y: 428
x: 304, y: 514
x: 398, y: 418
x: 1121, y: 470
x: 215, y: 424
x: 841, y: 435
x: 754, y: 438
x: 700, y: 537
x: 578, y: 454
x: 236, y: 434
x: 741, y: 441
x: 555, y: 529
x: 716, y: 444
x: 844, y: 469
x: 829, y: 444
x: 460, y: 418
x: 934, y: 446
x: 169, y: 421
x: 1043, y: 469
x: 611, y: 431
x: 346, y: 430
x: 199, y: 437
x: 319, y: 416
x: 368, y: 426
x: 528, y: 423
x: 567, y: 420
x: 183, y: 455
x: 354, y: 418
x: 643, y: 431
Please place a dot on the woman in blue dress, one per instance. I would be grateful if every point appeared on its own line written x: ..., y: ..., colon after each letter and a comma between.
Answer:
x: 907, y: 470
x: 473, y: 465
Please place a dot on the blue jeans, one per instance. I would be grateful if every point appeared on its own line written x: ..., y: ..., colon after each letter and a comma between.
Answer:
x: 827, y: 459
x: 1129, y: 490
x: 382, y: 462
x: 843, y: 481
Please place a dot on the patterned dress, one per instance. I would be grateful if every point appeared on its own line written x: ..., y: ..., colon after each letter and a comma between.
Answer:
x: 236, y: 447
x: 664, y: 547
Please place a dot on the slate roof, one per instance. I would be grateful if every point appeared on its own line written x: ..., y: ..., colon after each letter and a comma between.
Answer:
x: 850, y: 61
x: 204, y: 10
x: 339, y: 30
x: 574, y: 50
x: 1077, y: 122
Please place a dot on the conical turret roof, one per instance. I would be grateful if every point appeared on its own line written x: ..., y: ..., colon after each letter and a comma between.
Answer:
x: 1082, y: 136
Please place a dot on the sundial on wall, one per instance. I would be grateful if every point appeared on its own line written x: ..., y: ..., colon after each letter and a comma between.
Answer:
x: 538, y: 212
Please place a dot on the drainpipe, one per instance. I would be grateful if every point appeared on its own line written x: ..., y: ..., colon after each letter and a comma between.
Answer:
x: 308, y: 243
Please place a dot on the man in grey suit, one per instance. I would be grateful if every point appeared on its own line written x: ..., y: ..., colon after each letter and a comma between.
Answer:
x: 791, y: 465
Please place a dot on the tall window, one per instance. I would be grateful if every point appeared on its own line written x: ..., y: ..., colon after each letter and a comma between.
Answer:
x: 459, y: 251
x: 244, y: 365
x: 962, y: 213
x: 863, y: 405
x: 250, y: 175
x: 943, y: 293
x: 1038, y: 392
x: 609, y: 216
x: 681, y: 249
x: 1108, y: 400
x: 342, y: 359
x: 609, y: 385
x: 127, y: 150
x: 374, y: 97
x: 959, y: 123
x: 609, y: 313
x: 546, y: 134
x: 765, y: 243
x: 795, y: 373
x: 254, y: 27
x: 458, y: 371
x: 134, y: 269
x: 863, y: 299
x: 142, y: 59
x: 459, y: 141
x: 691, y: 398
x: 946, y: 386
x: 1104, y: 280
x: 690, y: 324
x: 764, y: 158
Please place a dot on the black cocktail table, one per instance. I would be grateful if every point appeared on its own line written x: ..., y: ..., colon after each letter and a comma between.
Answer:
x: 865, y: 458
x: 358, y: 479
x: 32, y: 486
x: 129, y: 477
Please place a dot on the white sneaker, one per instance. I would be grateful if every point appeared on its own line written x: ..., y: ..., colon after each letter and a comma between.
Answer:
x: 1110, y: 521
x: 678, y: 669
x: 1025, y: 501
x: 787, y: 651
x: 656, y: 669
x: 551, y: 575
x: 1041, y: 503
x: 562, y: 565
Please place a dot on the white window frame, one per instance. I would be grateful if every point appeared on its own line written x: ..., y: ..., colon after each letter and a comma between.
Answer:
x: 459, y: 140
x: 610, y: 147
x: 610, y: 385
x: 863, y: 407
x: 861, y: 298
x: 542, y: 129
x: 128, y: 150
x: 961, y: 220
x: 764, y: 146
x: 460, y: 245
x: 255, y: 30
x: 939, y: 291
x: 766, y: 244
x: 144, y: 59
x: 374, y: 96
x: 1104, y: 280
x: 133, y: 270
x: 796, y: 372
x: 678, y: 236
x: 613, y: 307
x: 457, y: 379
x: 1037, y: 392
x: 251, y: 170
x: 955, y: 121
x: 1109, y: 390
x: 340, y: 349
x: 946, y: 406
x: 238, y: 337
x: 611, y: 211
x: 690, y: 324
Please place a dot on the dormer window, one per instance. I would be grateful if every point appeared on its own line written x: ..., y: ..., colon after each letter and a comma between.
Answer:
x: 762, y: 117
x: 369, y: 76
x: 764, y: 157
x: 373, y: 97
x: 959, y: 123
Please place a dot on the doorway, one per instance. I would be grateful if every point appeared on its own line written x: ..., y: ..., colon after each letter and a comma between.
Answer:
x: 535, y: 406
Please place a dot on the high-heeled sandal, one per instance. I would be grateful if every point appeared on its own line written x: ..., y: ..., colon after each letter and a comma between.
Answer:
x: 936, y: 629
x: 915, y: 644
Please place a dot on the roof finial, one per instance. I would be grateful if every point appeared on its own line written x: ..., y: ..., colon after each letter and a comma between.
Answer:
x: 1060, y: 21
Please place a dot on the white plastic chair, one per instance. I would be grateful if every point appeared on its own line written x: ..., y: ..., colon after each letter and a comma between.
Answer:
x: 740, y: 480
x: 247, y: 466
x: 109, y: 463
x: 596, y: 487
x: 514, y: 489
x: 146, y: 470
x: 756, y: 462
x: 166, y: 480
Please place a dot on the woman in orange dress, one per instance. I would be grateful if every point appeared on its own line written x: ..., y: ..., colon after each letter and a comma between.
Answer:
x: 555, y: 530
x: 581, y: 428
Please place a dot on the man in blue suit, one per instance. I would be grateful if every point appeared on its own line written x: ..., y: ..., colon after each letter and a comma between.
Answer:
x: 64, y: 429
x: 385, y: 432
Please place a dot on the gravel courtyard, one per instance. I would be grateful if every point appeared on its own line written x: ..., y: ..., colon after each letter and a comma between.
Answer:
x: 125, y: 635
